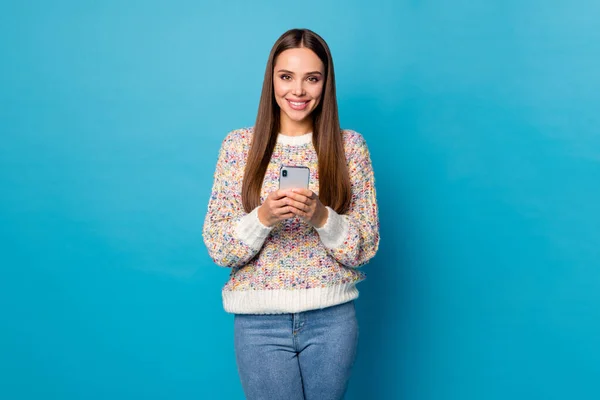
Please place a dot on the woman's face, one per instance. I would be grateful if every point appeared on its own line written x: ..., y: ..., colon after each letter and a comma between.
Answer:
x: 298, y: 78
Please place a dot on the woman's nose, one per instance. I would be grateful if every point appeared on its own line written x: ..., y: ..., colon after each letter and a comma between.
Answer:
x: 298, y: 89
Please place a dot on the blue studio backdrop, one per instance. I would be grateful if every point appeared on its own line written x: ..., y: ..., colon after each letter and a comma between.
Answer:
x: 483, y: 121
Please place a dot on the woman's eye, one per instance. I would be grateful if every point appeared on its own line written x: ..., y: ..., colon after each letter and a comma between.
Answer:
x: 313, y: 79
x: 286, y: 77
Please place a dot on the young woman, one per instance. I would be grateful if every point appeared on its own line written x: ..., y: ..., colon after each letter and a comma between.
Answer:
x: 294, y: 253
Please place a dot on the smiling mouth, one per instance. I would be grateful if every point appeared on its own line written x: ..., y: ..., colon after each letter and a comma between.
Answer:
x: 298, y: 105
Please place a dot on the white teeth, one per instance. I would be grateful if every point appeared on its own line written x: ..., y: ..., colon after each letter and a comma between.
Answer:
x: 298, y: 104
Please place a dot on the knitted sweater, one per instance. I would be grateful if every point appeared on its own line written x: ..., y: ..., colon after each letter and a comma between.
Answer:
x: 292, y: 266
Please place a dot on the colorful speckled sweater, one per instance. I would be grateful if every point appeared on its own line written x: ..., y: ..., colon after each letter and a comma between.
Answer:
x: 291, y: 267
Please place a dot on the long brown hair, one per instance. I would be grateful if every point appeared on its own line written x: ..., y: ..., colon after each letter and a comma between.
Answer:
x: 334, y: 180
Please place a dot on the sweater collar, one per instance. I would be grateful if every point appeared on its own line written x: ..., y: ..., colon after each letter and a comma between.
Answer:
x: 294, y: 140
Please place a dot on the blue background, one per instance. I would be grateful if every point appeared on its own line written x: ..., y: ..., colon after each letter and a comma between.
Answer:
x: 483, y: 122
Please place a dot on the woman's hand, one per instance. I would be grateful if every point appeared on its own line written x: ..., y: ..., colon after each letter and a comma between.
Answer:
x: 275, y: 209
x: 306, y: 204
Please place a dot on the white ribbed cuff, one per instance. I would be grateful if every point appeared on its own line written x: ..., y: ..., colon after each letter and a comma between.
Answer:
x: 281, y: 301
x: 334, y: 232
x: 251, y: 231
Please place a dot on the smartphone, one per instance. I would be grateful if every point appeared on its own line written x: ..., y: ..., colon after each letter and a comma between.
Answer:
x: 291, y: 177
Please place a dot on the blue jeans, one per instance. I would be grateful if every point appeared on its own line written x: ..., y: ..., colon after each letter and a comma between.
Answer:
x: 300, y: 356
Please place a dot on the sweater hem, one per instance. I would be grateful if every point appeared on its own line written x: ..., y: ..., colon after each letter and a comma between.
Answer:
x: 283, y: 301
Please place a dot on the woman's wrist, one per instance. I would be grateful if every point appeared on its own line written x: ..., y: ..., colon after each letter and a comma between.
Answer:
x: 261, y: 217
x: 321, y: 219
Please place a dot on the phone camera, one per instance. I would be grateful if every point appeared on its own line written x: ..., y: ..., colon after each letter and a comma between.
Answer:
x: 284, y: 173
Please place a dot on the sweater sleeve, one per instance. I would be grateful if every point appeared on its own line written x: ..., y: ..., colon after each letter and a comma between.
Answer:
x: 353, y: 238
x: 232, y: 236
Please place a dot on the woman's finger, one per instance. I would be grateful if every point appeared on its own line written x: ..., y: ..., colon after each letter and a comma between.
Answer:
x: 277, y: 194
x: 298, y: 197
x: 297, y: 204
x: 287, y: 210
x: 286, y: 216
x: 277, y: 204
x: 308, y: 212
x: 305, y: 192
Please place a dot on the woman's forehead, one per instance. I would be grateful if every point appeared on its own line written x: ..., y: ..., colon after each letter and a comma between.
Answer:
x: 299, y: 60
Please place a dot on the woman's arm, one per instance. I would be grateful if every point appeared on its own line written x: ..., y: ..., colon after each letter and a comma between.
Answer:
x: 232, y: 236
x: 353, y: 238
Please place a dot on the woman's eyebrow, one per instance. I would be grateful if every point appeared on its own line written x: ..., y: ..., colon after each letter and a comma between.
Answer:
x: 308, y: 73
